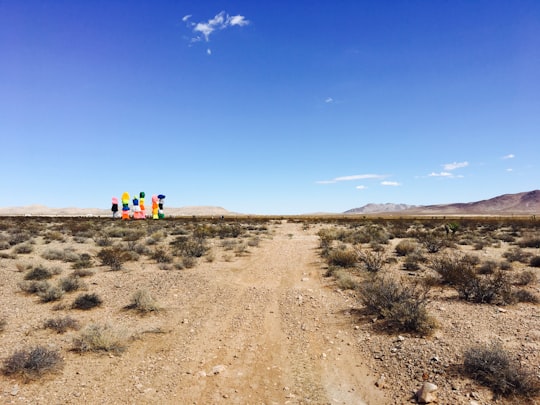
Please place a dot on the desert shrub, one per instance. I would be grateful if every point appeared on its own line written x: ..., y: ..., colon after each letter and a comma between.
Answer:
x: 69, y: 284
x: 488, y: 267
x: 342, y: 257
x: 399, y: 304
x: 133, y: 235
x: 493, y: 367
x: 516, y: 254
x: 84, y: 261
x: 23, y: 248
x: 372, y: 261
x: 453, y: 269
x: 191, y: 247
x: 412, y: 261
x: 254, y: 241
x: 406, y: 247
x: 100, y: 338
x: 529, y: 241
x: 345, y: 281
x: 51, y: 294
x: 526, y: 277
x: 62, y: 324
x: 326, y: 237
x: 228, y: 231
x: 38, y: 273
x: 143, y: 302
x: 240, y: 249
x: 114, y: 257
x: 494, y: 288
x: 102, y: 240
x: 53, y: 254
x: 505, y: 265
x: 161, y: 255
x: 34, y: 286
x: 189, y: 262
x: 19, y: 237
x: 86, y: 301
x: 535, y: 261
x: 54, y: 235
x: 82, y: 273
x: 522, y: 295
x: 432, y: 243
x: 32, y: 363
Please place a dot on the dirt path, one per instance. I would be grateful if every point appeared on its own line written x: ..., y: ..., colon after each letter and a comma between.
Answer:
x: 261, y: 329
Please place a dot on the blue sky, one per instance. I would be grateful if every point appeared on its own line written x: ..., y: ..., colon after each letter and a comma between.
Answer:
x: 271, y: 107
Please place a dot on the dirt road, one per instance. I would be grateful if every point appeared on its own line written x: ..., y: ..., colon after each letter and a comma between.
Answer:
x: 260, y: 329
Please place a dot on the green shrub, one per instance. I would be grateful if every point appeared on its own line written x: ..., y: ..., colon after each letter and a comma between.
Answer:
x: 493, y: 367
x: 32, y: 363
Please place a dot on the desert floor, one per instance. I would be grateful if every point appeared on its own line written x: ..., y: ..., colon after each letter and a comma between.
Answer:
x: 256, y: 323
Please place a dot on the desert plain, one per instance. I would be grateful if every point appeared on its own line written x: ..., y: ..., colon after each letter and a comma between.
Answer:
x: 269, y: 310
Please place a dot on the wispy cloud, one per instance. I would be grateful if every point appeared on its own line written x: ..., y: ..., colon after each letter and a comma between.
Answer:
x: 353, y: 177
x: 440, y: 174
x: 390, y: 183
x: 455, y: 165
x: 203, y: 30
x: 329, y: 100
x: 361, y: 187
x: 509, y: 156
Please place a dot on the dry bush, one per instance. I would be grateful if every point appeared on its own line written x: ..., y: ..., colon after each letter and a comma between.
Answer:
x: 516, y: 254
x: 143, y: 302
x: 82, y: 273
x: 342, y: 257
x: 522, y: 295
x: 530, y: 240
x: 526, y: 277
x: 400, y: 304
x: 86, y: 301
x: 84, y: 261
x: 51, y: 294
x: 161, y: 255
x: 488, y: 267
x: 345, y: 281
x: 34, y: 286
x: 23, y: 248
x: 62, y: 324
x: 114, y: 257
x: 406, y: 247
x: 189, y: 247
x: 38, y: 273
x: 493, y: 367
x: 535, y: 261
x: 100, y: 338
x: 30, y: 364
x: 453, y: 269
x: 69, y: 284
x: 372, y: 261
x: 189, y: 262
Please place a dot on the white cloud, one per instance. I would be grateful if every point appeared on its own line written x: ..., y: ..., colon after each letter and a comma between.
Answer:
x: 353, y: 177
x: 390, y: 183
x: 220, y: 21
x: 440, y: 174
x: 509, y: 156
x: 329, y: 100
x: 361, y: 187
x: 455, y: 165
x: 209, y: 51
x: 509, y: 170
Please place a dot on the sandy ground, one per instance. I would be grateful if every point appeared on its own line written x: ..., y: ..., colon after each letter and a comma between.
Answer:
x: 264, y: 328
x: 260, y: 327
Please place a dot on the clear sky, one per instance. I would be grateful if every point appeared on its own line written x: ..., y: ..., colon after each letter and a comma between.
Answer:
x: 268, y: 107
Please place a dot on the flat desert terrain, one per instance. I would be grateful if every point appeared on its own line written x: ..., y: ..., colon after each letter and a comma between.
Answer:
x: 266, y: 310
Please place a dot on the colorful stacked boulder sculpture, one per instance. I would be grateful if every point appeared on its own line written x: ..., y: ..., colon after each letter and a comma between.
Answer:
x: 136, y: 209
x: 142, y: 214
x: 114, y: 207
x: 154, y: 207
x: 161, y: 214
x: 125, y: 205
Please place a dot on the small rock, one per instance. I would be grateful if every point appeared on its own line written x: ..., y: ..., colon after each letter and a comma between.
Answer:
x: 15, y: 390
x: 201, y: 374
x: 381, y: 382
x: 502, y: 310
x: 426, y: 394
x: 305, y: 279
x: 218, y: 369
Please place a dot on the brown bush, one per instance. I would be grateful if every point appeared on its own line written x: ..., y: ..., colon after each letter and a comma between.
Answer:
x: 32, y: 363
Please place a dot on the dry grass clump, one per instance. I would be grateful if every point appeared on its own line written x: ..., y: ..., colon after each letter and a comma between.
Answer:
x: 100, y: 338
x: 23, y: 248
x: 406, y: 247
x: 143, y: 302
x: 82, y: 273
x: 161, y: 255
x: 373, y: 261
x: 189, y: 247
x: 400, y: 304
x: 38, y: 273
x: 30, y: 364
x: 114, y: 257
x: 70, y: 284
x: 526, y: 277
x: 51, y: 294
x: 84, y: 261
x: 62, y: 324
x: 342, y: 257
x: 34, y: 286
x: 516, y: 254
x: 493, y: 367
x: 345, y: 280
x: 86, y: 301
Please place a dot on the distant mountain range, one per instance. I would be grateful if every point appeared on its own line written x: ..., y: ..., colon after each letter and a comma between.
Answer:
x: 521, y: 203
